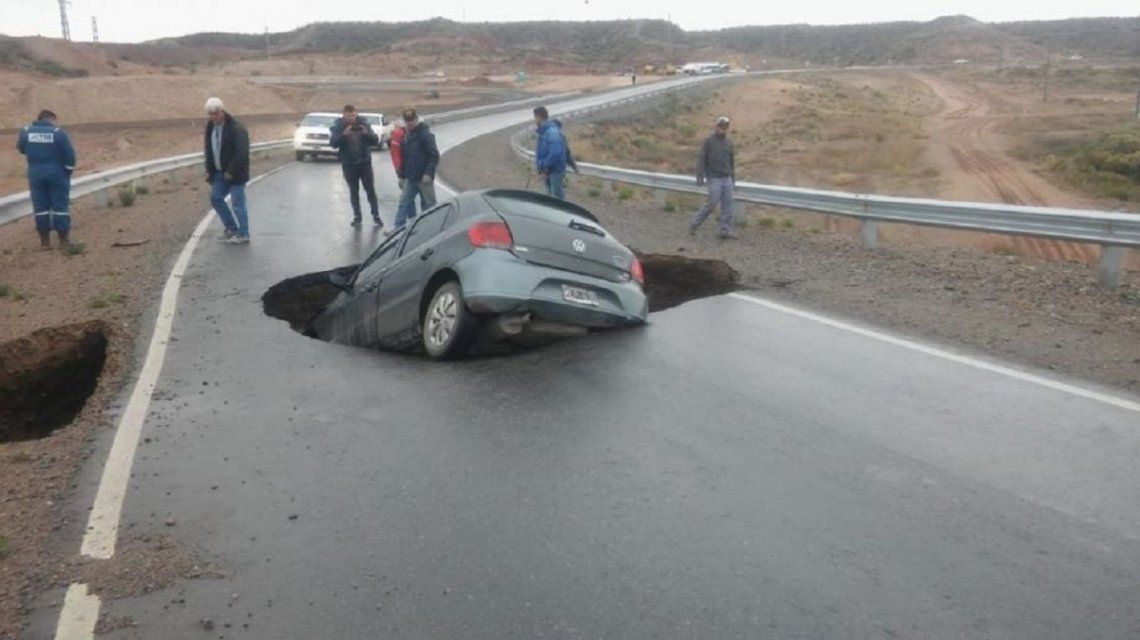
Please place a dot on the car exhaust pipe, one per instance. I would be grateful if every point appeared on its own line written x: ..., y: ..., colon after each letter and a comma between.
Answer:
x: 508, y: 326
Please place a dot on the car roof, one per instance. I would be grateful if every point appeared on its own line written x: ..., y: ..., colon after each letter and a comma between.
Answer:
x: 323, y: 113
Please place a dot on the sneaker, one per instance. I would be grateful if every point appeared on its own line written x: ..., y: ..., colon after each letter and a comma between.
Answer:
x: 388, y: 232
x: 377, y: 221
x: 236, y: 239
x: 356, y: 222
x: 692, y: 230
x: 228, y: 233
x: 727, y: 235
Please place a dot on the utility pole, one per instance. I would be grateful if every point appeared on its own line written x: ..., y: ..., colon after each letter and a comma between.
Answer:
x: 1048, y: 69
x: 94, y: 30
x: 63, y: 19
x: 1138, y: 104
x: 266, y: 43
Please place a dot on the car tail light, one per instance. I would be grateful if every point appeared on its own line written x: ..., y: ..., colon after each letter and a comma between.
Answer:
x: 636, y: 271
x: 490, y: 235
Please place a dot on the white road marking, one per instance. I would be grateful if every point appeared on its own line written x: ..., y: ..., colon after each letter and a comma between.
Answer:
x: 79, y: 615
x: 80, y: 610
x: 1056, y: 385
x: 103, y: 523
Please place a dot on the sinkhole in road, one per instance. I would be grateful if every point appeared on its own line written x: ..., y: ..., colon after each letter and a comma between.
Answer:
x: 670, y: 280
x: 46, y: 378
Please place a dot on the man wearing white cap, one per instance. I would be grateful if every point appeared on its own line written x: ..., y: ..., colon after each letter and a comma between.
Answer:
x: 716, y: 165
x: 227, y: 170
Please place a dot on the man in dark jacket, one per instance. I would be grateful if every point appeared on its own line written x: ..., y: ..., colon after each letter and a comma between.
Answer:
x: 716, y: 165
x: 353, y: 139
x: 51, y: 159
x: 227, y: 170
x: 419, y: 158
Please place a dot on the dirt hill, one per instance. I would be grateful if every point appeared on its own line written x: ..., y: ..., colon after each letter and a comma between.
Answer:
x: 546, y: 47
x: 616, y: 42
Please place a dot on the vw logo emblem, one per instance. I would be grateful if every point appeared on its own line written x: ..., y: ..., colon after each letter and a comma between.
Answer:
x: 579, y: 245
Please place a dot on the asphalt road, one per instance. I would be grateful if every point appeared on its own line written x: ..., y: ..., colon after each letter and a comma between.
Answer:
x: 729, y: 471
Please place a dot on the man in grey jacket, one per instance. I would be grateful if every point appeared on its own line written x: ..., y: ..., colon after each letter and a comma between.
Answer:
x: 716, y: 166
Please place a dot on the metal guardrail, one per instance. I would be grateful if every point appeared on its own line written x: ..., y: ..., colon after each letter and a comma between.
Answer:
x: 1113, y: 231
x: 18, y: 205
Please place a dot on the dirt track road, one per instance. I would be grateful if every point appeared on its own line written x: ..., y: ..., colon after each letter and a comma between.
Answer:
x: 967, y: 148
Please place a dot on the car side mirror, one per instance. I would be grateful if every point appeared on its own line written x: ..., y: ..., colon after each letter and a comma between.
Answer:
x: 339, y: 280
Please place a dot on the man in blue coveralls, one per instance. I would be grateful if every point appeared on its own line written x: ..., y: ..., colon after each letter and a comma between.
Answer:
x: 51, y: 159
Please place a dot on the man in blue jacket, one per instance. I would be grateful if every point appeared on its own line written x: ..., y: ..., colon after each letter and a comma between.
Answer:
x: 51, y: 159
x: 550, y: 154
x: 420, y: 159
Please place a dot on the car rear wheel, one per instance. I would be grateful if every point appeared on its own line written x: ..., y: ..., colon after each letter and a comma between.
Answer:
x: 300, y: 156
x: 448, y: 326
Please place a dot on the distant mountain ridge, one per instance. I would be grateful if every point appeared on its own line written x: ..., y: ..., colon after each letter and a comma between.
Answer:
x: 940, y: 40
x: 602, y: 46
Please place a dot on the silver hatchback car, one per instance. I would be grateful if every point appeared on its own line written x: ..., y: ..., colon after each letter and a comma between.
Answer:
x: 504, y: 263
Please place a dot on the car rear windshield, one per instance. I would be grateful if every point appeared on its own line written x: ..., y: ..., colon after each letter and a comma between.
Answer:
x: 318, y: 121
x: 506, y: 204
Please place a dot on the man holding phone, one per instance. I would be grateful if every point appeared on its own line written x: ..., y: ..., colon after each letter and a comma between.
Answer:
x: 353, y: 139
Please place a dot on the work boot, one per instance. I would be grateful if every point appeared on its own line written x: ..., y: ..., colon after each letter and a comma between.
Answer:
x: 45, y: 239
x: 356, y: 222
x: 64, y: 240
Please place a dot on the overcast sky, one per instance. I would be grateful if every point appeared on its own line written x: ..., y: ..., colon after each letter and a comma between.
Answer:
x: 135, y: 20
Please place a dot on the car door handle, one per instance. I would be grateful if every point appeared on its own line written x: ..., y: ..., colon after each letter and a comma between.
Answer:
x: 427, y: 254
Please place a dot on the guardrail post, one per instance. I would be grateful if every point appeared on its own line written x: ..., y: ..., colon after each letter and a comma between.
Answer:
x: 659, y: 198
x: 607, y: 186
x: 1108, y: 270
x: 869, y: 230
x: 102, y: 198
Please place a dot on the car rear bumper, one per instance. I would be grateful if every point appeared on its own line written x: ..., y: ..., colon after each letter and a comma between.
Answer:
x: 497, y: 282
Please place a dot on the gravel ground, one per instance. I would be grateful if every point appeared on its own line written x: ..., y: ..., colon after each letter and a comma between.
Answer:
x: 114, y: 286
x: 1048, y: 315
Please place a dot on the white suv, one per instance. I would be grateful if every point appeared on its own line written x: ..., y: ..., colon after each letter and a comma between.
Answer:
x: 311, y: 139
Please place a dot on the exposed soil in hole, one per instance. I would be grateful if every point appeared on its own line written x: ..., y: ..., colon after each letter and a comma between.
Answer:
x: 298, y: 300
x: 46, y: 378
x: 669, y: 281
x: 675, y: 280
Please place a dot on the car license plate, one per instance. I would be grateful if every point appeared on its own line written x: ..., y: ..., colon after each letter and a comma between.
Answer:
x: 579, y: 295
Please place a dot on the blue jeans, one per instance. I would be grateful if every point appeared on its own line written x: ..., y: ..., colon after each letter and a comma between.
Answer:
x: 720, y: 193
x: 219, y: 189
x: 556, y: 184
x: 406, y: 211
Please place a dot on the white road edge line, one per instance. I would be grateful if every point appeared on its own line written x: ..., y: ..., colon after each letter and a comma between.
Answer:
x: 79, y: 615
x: 80, y: 611
x: 1056, y: 385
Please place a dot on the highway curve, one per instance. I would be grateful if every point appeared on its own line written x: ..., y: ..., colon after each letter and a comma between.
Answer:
x: 736, y: 469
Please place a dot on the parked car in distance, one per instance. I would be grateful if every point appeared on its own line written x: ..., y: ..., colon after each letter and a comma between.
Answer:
x: 503, y: 264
